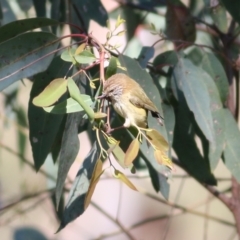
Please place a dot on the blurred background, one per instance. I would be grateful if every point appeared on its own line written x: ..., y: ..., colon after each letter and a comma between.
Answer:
x: 116, y: 212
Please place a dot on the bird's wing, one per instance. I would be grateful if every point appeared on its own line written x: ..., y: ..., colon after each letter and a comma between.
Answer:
x: 146, y: 104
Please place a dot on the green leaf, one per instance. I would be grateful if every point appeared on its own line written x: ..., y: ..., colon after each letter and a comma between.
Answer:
x: 232, y: 140
x: 188, y: 78
x: 40, y: 8
x: 51, y: 93
x: 214, y: 68
x: 186, y: 148
x: 169, y: 121
x: 44, y: 126
x: 26, y: 57
x: 85, y: 57
x: 145, y: 55
x: 76, y: 200
x: 216, y: 107
x: 75, y: 94
x: 15, y: 28
x: 112, y: 67
x: 233, y: 9
x: 69, y: 106
x: 89, y: 10
x: 68, y: 54
x: 168, y: 58
x: 68, y: 152
x: 219, y: 16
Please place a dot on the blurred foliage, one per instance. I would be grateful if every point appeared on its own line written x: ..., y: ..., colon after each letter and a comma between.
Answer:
x: 191, y: 85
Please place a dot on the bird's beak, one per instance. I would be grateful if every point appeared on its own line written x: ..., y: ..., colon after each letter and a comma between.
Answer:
x: 102, y: 96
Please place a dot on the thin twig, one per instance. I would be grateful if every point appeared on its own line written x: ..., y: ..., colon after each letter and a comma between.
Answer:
x: 124, y: 230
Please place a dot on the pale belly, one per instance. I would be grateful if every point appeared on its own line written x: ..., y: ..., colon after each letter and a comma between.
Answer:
x: 133, y: 115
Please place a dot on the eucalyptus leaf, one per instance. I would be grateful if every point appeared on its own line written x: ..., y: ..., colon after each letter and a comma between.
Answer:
x: 15, y: 28
x: 29, y: 55
x: 51, y: 93
x: 214, y: 68
x: 43, y: 126
x: 76, y: 200
x: 188, y: 79
x: 68, y: 106
x: 232, y: 140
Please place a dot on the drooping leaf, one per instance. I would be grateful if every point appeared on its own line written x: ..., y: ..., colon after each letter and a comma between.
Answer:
x: 219, y: 16
x: 76, y: 200
x: 27, y: 57
x: 232, y: 149
x: 40, y: 8
x: 68, y: 152
x: 188, y: 79
x: 75, y: 123
x: 22, y: 121
x: 185, y: 146
x: 157, y: 140
x: 169, y: 122
x: 51, y: 93
x: 214, y: 68
x: 131, y: 152
x: 112, y: 67
x: 180, y: 24
x: 15, y: 28
x: 216, y: 107
x: 42, y: 125
x: 69, y: 106
x: 124, y: 179
x: 162, y: 158
x: 233, y: 9
x: 145, y: 55
x: 117, y: 152
x: 97, y: 172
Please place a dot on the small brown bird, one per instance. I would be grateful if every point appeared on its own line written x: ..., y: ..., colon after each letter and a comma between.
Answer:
x: 129, y: 100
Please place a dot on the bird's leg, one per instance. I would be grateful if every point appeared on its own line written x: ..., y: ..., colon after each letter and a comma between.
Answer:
x: 109, y: 130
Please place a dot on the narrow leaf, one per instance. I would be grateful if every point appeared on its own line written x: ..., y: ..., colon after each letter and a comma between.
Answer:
x: 15, y: 28
x: 124, y: 179
x: 30, y: 56
x: 43, y: 126
x: 68, y: 106
x: 97, y: 172
x: 188, y: 78
x: 157, y: 140
x: 112, y: 67
x: 51, y: 93
x: 75, y: 94
x: 76, y: 200
x: 80, y: 48
x: 214, y: 68
x: 232, y: 149
x: 131, y: 152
